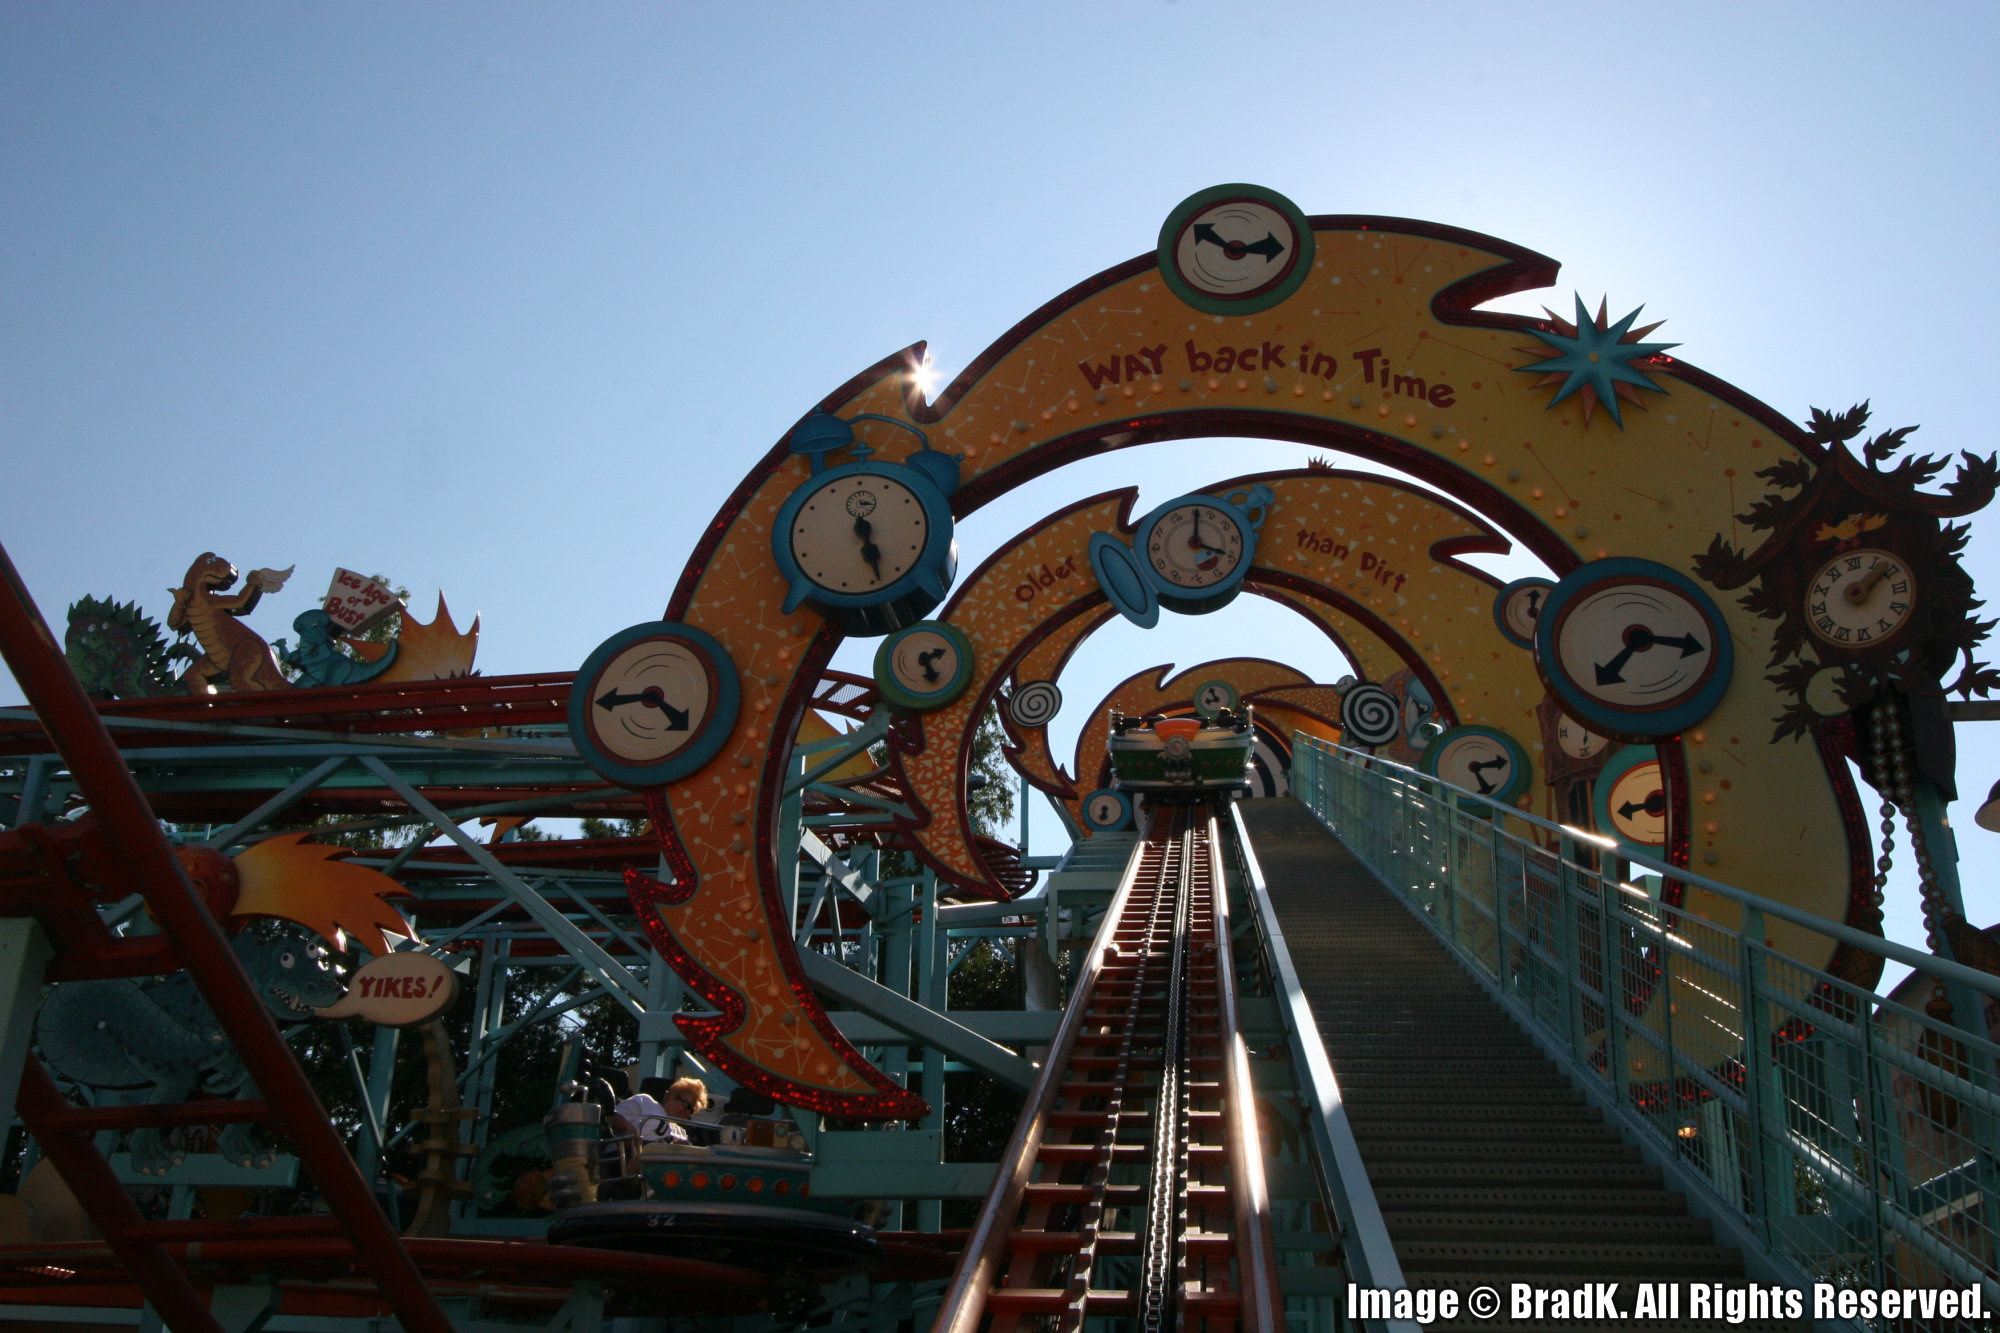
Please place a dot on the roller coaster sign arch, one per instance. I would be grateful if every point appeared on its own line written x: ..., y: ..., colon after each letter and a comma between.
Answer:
x: 1375, y: 345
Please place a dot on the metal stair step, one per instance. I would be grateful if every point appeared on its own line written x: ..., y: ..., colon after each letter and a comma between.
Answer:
x: 1555, y: 1155
x: 1463, y: 1200
x: 1548, y: 1227
x: 1488, y: 1117
x: 1600, y: 1263
x: 1527, y: 1174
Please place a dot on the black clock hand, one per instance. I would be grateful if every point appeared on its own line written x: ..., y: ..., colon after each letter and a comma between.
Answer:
x: 1478, y: 771
x: 1637, y: 640
x: 926, y: 660
x: 869, y: 550
x: 1655, y: 804
x: 652, y: 697
x: 1270, y: 247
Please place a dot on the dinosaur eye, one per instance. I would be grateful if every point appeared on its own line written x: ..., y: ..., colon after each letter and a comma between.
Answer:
x: 286, y: 959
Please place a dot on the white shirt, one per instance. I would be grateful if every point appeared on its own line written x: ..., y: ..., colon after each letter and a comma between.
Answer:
x: 646, y: 1115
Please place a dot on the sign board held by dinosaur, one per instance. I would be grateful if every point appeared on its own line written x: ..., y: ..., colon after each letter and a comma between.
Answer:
x: 355, y: 601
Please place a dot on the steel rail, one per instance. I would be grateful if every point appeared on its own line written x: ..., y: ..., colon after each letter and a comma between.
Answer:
x: 1262, y: 1308
x: 963, y: 1307
x: 120, y: 807
x: 1161, y: 1252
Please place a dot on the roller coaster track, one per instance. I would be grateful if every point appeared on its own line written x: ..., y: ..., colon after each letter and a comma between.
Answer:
x: 1136, y: 1188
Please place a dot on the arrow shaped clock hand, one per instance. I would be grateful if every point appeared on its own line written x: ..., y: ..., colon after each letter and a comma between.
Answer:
x: 1478, y: 772
x: 652, y: 697
x: 1655, y: 804
x: 1637, y: 640
x: 1270, y: 247
x: 928, y: 662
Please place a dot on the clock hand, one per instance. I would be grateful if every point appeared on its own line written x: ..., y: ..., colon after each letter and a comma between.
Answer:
x: 1270, y: 247
x: 1655, y: 804
x: 925, y: 660
x: 1637, y: 640
x: 652, y: 697
x: 1479, y: 776
x: 870, y: 552
x: 1857, y: 592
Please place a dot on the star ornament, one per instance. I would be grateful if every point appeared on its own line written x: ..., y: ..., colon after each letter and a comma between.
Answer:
x: 1594, y: 359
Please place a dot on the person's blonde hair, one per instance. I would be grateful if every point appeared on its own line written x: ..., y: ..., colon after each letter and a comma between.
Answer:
x: 691, y: 1090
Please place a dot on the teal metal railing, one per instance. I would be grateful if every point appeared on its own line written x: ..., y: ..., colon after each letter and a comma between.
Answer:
x: 1837, y: 1136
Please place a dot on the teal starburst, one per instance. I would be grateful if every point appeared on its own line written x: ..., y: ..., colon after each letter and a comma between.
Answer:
x: 1595, y: 359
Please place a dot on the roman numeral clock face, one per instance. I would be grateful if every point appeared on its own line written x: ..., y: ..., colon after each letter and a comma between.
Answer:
x: 1860, y: 599
x: 1194, y: 546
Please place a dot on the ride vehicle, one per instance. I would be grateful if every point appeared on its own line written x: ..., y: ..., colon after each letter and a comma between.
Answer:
x: 1167, y: 757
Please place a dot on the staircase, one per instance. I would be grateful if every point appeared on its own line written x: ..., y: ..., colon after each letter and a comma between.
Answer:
x: 1488, y: 1166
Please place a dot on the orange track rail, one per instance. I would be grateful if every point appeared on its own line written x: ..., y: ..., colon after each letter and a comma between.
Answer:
x: 1062, y: 1234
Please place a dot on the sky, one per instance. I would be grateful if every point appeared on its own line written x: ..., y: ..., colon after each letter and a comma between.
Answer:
x: 503, y: 300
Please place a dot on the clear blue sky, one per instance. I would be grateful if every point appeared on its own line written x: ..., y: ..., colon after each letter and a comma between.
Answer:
x: 503, y: 299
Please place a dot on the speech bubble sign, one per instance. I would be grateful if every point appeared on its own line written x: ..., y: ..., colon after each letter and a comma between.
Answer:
x: 397, y: 990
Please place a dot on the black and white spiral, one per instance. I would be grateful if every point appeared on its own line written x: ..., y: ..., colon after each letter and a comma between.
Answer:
x: 1369, y: 716
x: 1034, y: 704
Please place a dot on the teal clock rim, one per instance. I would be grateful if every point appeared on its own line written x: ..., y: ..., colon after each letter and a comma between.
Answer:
x: 1500, y: 605
x: 1201, y: 689
x: 1302, y: 259
x: 1124, y: 801
x: 1614, y: 768
x: 1184, y: 598
x: 697, y: 752
x: 935, y: 555
x: 910, y: 700
x: 1108, y: 553
x: 1427, y: 764
x: 1621, y: 723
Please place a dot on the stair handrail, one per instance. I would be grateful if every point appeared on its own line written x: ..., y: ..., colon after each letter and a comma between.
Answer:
x: 1366, y: 1246
x: 1539, y: 965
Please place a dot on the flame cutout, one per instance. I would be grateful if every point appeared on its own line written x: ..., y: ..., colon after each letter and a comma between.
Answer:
x: 287, y: 877
x: 436, y: 651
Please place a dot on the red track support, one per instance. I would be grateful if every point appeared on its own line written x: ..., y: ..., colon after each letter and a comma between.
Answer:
x: 149, y: 867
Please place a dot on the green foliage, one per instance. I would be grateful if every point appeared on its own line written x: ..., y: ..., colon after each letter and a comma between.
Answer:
x: 594, y: 827
x: 991, y: 804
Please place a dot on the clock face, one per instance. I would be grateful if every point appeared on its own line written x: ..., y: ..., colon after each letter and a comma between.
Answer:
x: 859, y: 531
x: 653, y: 703
x: 1518, y: 606
x: 1235, y: 248
x: 1578, y: 741
x: 1213, y: 697
x: 1633, y: 648
x: 924, y: 666
x: 1194, y: 546
x: 1860, y: 599
x: 1106, y: 811
x: 1632, y: 798
x: 1479, y: 759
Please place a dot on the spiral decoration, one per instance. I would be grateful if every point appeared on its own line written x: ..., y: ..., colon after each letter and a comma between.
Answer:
x: 1369, y: 716
x: 1034, y: 704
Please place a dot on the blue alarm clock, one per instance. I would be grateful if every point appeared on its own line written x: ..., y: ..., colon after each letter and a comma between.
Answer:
x: 867, y: 544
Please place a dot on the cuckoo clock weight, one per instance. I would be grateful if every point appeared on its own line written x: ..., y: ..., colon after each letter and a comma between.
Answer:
x: 867, y: 544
